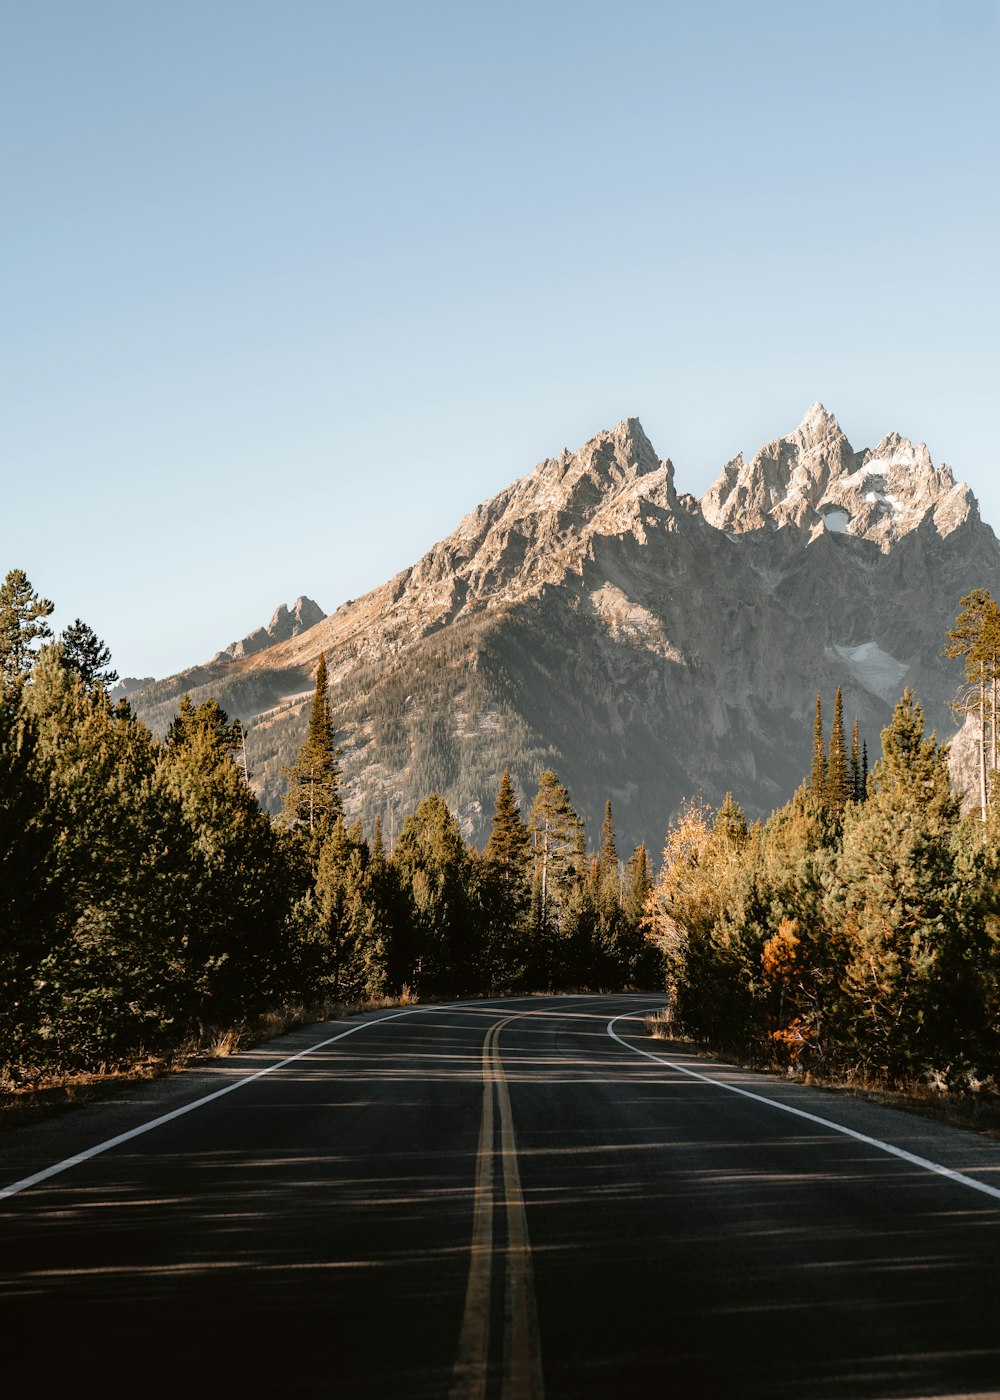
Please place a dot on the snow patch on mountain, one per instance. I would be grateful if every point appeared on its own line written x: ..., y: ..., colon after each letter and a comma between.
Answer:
x: 872, y: 668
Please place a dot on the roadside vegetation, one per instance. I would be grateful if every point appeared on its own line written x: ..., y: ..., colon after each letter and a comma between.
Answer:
x: 149, y: 907
x: 855, y: 934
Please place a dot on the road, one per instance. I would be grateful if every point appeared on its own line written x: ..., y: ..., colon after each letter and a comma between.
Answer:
x: 496, y: 1201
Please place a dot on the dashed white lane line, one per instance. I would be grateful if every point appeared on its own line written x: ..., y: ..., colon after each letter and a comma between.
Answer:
x: 925, y: 1163
x: 23, y: 1185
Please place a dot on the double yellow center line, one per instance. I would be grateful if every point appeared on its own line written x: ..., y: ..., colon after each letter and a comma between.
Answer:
x: 522, y: 1369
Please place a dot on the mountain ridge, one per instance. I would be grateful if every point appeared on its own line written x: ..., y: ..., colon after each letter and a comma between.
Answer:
x: 589, y: 608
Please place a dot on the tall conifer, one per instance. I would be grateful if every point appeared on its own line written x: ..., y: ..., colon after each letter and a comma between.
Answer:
x: 608, y: 865
x: 855, y: 781
x: 506, y: 851
x: 314, y: 778
x: 87, y: 655
x: 838, y: 790
x: 817, y: 773
x: 975, y: 638
x: 558, y: 845
x: 638, y: 883
x: 22, y: 624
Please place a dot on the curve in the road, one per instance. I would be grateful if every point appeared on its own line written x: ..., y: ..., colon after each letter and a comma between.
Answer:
x: 914, y: 1160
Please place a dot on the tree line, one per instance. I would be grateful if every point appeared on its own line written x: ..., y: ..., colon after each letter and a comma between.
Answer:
x: 146, y: 898
x: 857, y: 931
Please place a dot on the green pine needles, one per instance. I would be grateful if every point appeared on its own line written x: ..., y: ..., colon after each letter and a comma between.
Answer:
x: 313, y: 792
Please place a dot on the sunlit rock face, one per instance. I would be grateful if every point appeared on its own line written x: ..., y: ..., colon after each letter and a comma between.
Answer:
x: 814, y: 479
x: 643, y: 644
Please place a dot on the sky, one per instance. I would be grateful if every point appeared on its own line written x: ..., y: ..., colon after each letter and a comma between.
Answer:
x: 286, y: 288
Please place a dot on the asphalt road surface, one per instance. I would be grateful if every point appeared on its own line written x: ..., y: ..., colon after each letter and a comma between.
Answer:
x: 495, y: 1201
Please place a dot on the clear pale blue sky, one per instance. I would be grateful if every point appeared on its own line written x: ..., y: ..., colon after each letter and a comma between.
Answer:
x: 287, y: 287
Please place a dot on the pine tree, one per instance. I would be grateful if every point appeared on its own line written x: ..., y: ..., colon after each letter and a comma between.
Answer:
x: 817, y: 774
x: 638, y: 885
x: 730, y: 823
x: 349, y: 919
x: 434, y: 861
x: 558, y: 845
x: 506, y: 851
x: 313, y: 792
x: 87, y: 655
x: 22, y: 624
x: 838, y: 790
x: 505, y: 892
x: 904, y: 912
x: 857, y: 795
x: 975, y: 638
x: 559, y: 869
x: 205, y: 726
x: 30, y: 905
x: 641, y: 962
x: 608, y: 872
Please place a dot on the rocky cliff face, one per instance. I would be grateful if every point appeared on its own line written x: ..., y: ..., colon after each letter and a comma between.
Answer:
x: 813, y: 479
x: 284, y: 624
x: 645, y: 645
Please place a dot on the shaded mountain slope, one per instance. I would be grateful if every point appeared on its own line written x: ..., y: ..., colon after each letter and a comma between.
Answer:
x: 645, y: 645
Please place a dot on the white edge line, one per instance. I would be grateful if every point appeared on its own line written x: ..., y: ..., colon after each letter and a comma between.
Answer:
x: 18, y: 1186
x: 900, y: 1152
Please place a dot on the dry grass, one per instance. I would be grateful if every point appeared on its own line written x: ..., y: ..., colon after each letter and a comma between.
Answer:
x: 977, y: 1109
x: 44, y: 1097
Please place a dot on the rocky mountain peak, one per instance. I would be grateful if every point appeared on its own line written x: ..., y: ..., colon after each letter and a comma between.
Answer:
x: 580, y: 482
x: 814, y: 480
x: 587, y: 618
x: 285, y: 623
x: 818, y: 422
x: 537, y: 532
x: 784, y: 481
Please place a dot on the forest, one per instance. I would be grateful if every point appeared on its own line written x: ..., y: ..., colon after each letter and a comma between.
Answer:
x: 147, y: 902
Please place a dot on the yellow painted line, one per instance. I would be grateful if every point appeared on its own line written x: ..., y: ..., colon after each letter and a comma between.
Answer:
x: 474, y: 1341
x: 522, y: 1369
x: 522, y: 1354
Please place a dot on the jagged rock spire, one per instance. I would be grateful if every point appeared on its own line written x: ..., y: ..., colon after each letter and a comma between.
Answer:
x: 813, y: 479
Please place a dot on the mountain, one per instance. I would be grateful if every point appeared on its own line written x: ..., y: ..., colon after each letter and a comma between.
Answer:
x: 644, y: 644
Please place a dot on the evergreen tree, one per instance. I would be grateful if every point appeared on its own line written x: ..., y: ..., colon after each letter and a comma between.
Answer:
x: 436, y: 865
x: 975, y: 638
x: 817, y: 773
x: 856, y: 787
x: 557, y: 845
x: 505, y: 891
x: 118, y: 974
x: 205, y: 725
x: 22, y: 624
x: 87, y: 655
x: 608, y: 872
x: 313, y: 793
x: 348, y: 919
x: 640, y: 963
x: 838, y: 791
x: 506, y: 851
x: 730, y: 823
x: 638, y: 885
x: 905, y: 911
x: 30, y: 908
x: 558, y: 858
x: 240, y: 875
